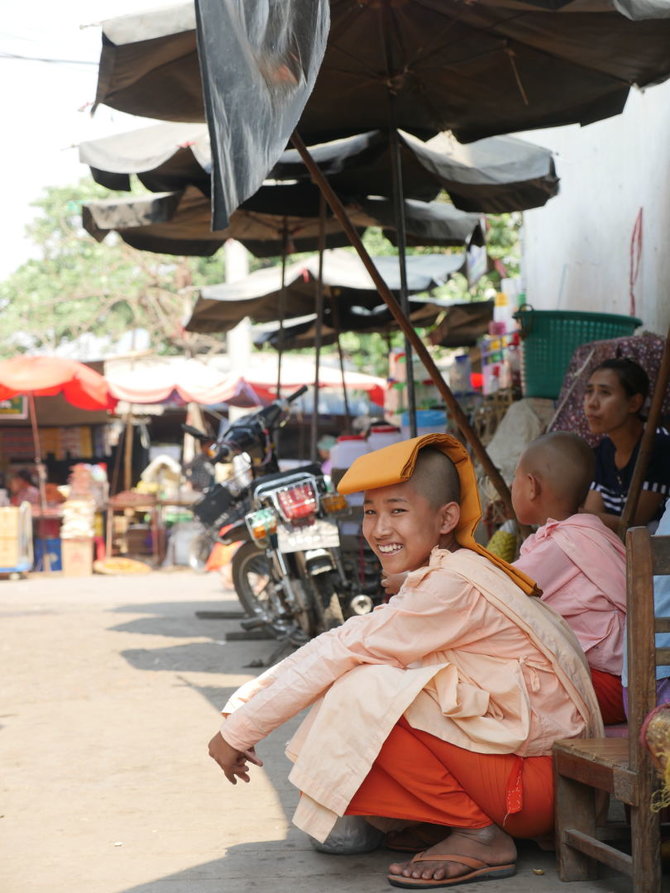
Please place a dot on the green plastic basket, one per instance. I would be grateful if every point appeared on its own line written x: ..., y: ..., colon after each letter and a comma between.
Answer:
x: 549, y: 338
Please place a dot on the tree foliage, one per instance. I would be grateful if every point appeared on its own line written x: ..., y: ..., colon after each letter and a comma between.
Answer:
x: 77, y: 285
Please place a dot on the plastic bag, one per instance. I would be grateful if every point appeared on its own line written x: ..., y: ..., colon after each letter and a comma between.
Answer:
x: 351, y: 834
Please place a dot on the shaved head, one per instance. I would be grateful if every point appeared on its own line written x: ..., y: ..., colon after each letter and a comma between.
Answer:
x: 435, y: 477
x: 564, y: 463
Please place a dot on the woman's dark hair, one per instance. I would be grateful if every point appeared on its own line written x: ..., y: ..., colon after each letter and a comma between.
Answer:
x: 25, y: 475
x: 632, y: 377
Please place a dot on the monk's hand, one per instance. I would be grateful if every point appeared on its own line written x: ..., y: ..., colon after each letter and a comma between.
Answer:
x: 233, y: 762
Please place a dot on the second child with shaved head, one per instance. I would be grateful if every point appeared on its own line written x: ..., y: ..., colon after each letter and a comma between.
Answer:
x: 579, y: 563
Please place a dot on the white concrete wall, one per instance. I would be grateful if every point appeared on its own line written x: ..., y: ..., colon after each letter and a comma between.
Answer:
x: 577, y: 249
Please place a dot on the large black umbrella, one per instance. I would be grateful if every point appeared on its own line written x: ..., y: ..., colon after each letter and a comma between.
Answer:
x: 493, y: 175
x: 461, y: 324
x: 476, y: 68
x: 220, y: 307
x: 179, y: 223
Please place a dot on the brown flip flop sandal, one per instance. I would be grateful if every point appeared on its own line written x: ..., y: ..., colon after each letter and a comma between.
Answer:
x: 480, y: 872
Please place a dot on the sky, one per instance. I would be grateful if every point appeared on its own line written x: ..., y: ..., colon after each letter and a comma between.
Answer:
x: 48, y: 75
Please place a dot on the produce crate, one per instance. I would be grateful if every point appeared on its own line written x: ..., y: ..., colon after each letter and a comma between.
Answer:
x: 548, y: 338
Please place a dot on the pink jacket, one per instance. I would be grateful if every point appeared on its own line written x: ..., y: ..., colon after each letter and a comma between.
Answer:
x: 581, y: 567
x: 461, y: 651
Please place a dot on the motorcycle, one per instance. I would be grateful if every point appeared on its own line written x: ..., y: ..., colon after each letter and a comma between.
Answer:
x: 290, y: 573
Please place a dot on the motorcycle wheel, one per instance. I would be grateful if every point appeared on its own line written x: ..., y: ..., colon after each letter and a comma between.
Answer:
x: 327, y: 601
x: 252, y: 581
x: 258, y: 596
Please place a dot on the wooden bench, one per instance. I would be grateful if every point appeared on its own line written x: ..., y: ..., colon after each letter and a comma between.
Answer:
x: 619, y: 767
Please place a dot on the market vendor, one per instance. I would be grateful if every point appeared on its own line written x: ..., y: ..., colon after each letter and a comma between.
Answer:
x: 22, y: 488
x: 615, y: 394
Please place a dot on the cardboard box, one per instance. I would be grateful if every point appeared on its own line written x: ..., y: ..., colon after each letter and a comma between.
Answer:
x: 77, y: 557
x: 9, y: 521
x: 9, y: 551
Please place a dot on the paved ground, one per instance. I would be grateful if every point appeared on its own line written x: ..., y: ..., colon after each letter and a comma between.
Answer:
x: 110, y: 691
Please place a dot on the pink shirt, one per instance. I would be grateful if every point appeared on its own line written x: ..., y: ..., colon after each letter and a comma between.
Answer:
x: 581, y: 567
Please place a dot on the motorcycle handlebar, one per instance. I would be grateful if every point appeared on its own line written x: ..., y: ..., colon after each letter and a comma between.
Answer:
x: 195, y: 432
x: 294, y: 396
x: 248, y: 430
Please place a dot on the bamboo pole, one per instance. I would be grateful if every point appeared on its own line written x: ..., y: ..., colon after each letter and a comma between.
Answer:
x: 451, y: 403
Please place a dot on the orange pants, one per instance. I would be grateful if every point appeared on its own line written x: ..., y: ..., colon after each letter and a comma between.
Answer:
x: 609, y: 693
x: 421, y: 778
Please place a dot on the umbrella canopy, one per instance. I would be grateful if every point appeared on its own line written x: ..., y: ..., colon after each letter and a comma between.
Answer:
x: 463, y: 324
x: 302, y: 332
x: 295, y: 371
x: 477, y: 69
x: 490, y: 176
x: 177, y: 379
x: 47, y: 376
x: 259, y: 296
x: 149, y: 62
x: 179, y: 223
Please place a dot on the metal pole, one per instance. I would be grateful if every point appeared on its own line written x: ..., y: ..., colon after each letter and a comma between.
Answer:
x: 282, y: 303
x: 389, y: 299
x: 41, y: 478
x: 318, y: 330
x: 399, y: 214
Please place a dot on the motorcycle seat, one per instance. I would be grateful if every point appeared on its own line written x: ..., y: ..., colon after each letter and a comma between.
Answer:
x: 313, y: 468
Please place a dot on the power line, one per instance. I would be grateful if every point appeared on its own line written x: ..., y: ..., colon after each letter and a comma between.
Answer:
x: 19, y: 58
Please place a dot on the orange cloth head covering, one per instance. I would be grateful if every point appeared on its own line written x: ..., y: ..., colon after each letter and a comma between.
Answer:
x: 395, y: 464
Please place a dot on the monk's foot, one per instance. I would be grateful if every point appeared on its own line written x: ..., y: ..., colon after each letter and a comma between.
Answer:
x: 490, y: 846
x: 415, y: 838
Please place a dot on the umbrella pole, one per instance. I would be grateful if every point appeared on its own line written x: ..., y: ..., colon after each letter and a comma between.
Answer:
x: 319, y: 328
x: 338, y: 330
x: 389, y: 299
x: 399, y: 213
x: 128, y: 451
x: 647, y: 442
x: 41, y: 478
x: 282, y: 304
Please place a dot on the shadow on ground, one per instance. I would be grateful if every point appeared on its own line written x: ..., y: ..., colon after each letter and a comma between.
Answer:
x: 292, y: 865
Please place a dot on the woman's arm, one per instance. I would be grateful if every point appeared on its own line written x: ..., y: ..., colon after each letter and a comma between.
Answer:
x: 647, y: 509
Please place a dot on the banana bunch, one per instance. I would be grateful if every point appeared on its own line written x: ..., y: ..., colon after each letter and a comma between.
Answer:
x: 504, y: 543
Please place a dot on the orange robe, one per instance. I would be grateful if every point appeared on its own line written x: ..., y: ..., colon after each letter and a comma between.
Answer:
x: 419, y: 778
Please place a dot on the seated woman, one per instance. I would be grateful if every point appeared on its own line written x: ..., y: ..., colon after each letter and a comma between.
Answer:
x: 614, y: 398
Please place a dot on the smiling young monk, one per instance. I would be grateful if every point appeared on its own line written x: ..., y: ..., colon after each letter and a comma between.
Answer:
x: 441, y: 706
